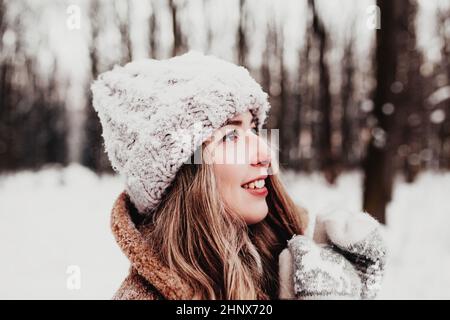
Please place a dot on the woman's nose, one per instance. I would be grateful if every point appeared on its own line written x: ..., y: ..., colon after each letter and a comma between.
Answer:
x: 260, y: 155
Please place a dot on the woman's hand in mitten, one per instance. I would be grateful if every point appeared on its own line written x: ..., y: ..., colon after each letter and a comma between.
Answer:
x: 358, y: 237
x: 321, y: 273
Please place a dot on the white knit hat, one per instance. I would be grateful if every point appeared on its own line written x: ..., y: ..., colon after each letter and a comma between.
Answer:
x: 145, y: 105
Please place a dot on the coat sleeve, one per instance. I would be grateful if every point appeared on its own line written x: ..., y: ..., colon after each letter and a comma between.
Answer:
x: 135, y: 287
x: 285, y: 259
x: 286, y: 276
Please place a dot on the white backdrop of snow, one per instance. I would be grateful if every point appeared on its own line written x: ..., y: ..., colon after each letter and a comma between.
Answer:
x: 55, y: 218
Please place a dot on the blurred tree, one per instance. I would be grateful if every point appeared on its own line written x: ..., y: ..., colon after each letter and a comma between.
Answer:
x: 123, y: 17
x: 271, y: 70
x: 393, y: 97
x: 327, y: 158
x: 242, y: 47
x: 179, y: 41
x: 286, y: 109
x: 290, y: 109
x: 413, y: 130
x: 270, y: 73
x: 44, y: 130
x: 308, y: 79
x: 32, y: 112
x: 5, y: 92
x: 441, y: 113
x: 93, y: 154
x: 300, y: 123
x: 349, y: 112
x: 152, y: 31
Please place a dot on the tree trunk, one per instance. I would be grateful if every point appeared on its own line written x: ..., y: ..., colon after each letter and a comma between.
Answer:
x: 393, y: 90
x: 327, y: 159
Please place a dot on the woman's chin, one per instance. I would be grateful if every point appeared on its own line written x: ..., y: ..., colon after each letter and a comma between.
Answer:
x: 258, y: 214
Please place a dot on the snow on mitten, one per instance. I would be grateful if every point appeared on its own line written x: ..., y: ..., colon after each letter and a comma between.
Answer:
x: 358, y: 237
x: 318, y: 272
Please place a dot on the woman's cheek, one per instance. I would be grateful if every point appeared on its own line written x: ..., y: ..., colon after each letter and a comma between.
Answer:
x: 234, y: 153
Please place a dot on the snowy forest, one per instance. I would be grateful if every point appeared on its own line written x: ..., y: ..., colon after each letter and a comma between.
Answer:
x: 357, y: 87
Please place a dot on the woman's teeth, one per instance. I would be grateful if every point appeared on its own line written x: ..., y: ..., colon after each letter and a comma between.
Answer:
x: 258, y: 184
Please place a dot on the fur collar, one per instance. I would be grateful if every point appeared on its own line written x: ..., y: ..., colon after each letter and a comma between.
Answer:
x: 131, y: 240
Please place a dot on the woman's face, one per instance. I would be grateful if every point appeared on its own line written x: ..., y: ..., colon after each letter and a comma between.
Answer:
x: 241, y: 161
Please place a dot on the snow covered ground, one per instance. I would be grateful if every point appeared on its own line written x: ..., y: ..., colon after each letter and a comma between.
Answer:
x: 52, y: 220
x: 55, y: 240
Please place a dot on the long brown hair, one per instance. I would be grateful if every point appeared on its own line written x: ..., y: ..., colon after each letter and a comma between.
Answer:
x: 213, y: 249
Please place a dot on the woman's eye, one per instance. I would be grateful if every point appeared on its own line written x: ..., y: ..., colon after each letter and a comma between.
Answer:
x: 231, y: 136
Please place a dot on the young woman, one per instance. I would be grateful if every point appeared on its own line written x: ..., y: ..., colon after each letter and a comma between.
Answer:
x: 207, y: 227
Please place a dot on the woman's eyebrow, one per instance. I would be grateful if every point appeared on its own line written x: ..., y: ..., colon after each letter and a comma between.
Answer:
x: 237, y: 123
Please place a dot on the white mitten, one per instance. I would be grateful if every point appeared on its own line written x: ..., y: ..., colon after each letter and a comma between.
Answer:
x: 357, y: 235
x: 318, y: 272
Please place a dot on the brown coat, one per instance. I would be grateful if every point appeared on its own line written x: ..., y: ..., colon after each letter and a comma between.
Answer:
x: 149, y: 279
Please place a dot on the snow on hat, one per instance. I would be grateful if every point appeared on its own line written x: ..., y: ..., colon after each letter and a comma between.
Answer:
x: 146, y: 105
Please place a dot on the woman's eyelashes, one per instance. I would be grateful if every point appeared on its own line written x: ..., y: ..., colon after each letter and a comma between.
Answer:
x: 233, y: 135
x: 254, y: 130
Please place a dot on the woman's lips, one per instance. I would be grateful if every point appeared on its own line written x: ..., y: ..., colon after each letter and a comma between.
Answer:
x: 261, y: 192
